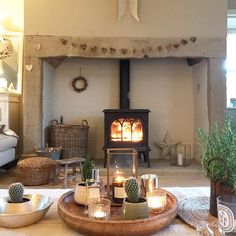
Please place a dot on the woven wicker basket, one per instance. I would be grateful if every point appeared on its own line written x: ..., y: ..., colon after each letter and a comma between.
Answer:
x: 35, y: 170
x: 72, y: 138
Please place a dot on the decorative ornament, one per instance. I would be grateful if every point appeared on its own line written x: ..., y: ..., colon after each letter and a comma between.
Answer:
x: 112, y: 50
x: 133, y: 4
x: 6, y: 48
x: 38, y: 46
x: 184, y: 41
x: 193, y: 39
x: 64, y: 41
x: 79, y: 83
x: 93, y: 49
x: 29, y: 67
x: 124, y: 50
x: 74, y: 44
x: 166, y: 145
x: 168, y: 47
x: 104, y: 50
x: 11, y: 87
x: 83, y: 46
x: 176, y: 45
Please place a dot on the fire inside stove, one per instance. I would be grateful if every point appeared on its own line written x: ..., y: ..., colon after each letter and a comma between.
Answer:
x: 127, y: 129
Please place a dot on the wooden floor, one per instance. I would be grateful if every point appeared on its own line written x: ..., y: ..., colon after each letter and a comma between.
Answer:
x: 169, y: 176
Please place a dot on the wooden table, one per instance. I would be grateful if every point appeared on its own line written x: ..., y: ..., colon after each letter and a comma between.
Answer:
x: 52, y: 225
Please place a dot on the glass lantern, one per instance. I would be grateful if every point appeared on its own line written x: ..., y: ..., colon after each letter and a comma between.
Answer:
x: 180, y: 155
x: 119, y: 174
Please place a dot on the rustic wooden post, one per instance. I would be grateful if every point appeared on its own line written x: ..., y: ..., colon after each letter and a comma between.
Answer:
x: 216, y: 92
x: 32, y: 104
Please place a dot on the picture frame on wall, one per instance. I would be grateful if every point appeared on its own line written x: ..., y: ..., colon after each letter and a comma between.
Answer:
x: 11, y: 64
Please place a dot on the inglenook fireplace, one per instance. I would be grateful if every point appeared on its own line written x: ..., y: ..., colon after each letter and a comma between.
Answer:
x: 124, y: 127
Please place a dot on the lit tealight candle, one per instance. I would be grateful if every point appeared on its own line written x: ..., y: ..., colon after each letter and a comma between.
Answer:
x: 156, y: 201
x: 99, y: 214
x: 99, y: 208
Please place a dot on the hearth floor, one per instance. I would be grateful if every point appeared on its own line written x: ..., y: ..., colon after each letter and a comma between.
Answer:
x: 169, y: 176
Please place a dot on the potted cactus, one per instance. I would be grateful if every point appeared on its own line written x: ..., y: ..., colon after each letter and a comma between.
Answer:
x: 134, y: 206
x: 17, y: 201
x: 16, y: 191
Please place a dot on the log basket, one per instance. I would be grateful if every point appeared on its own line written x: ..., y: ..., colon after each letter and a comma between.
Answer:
x: 72, y: 138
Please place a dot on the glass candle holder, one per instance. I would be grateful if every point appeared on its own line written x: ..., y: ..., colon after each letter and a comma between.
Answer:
x: 99, y: 208
x: 118, y: 190
x: 149, y: 183
x: 156, y: 201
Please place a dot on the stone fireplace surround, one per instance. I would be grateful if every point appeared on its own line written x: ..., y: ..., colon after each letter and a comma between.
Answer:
x: 55, y: 49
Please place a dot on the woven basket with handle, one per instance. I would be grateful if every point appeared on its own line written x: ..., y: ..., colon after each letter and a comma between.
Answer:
x: 72, y: 138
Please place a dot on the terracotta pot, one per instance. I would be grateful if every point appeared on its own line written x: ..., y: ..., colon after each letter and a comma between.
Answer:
x: 218, y: 189
x: 137, y: 210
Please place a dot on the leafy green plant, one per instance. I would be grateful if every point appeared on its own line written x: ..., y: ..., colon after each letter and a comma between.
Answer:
x: 88, y: 165
x: 218, y: 157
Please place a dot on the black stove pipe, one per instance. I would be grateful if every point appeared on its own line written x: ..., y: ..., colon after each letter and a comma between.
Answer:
x: 124, y: 84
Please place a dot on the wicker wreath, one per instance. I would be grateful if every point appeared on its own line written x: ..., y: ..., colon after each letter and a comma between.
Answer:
x: 81, y: 88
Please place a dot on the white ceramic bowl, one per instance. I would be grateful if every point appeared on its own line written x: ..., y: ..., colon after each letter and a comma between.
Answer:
x: 16, y: 215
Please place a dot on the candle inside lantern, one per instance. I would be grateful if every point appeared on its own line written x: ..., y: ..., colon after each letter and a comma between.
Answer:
x: 118, y: 187
x: 180, y: 159
x: 156, y: 201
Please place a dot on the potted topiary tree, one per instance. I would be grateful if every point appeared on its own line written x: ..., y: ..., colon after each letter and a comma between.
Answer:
x: 218, y: 160
x: 88, y: 165
x: 134, y: 207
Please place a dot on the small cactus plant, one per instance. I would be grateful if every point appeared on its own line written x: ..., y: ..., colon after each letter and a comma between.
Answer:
x: 132, y: 189
x: 16, y: 191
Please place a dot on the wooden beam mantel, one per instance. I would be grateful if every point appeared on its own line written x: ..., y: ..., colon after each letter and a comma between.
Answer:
x: 44, y: 46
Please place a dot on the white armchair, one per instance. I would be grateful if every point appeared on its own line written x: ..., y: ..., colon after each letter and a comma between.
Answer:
x: 7, y: 148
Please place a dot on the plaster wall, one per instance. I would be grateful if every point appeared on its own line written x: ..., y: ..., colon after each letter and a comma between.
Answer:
x: 162, y: 85
x: 159, y: 18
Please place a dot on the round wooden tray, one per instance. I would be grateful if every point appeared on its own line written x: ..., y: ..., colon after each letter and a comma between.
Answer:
x: 73, y: 215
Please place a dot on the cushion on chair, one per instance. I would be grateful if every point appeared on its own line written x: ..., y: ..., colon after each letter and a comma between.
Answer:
x: 7, y: 142
x: 7, y: 156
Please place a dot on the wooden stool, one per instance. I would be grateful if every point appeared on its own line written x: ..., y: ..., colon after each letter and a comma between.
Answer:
x: 66, y: 164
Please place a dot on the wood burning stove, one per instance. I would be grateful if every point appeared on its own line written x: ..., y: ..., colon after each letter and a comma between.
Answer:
x: 127, y: 128
x: 124, y: 127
